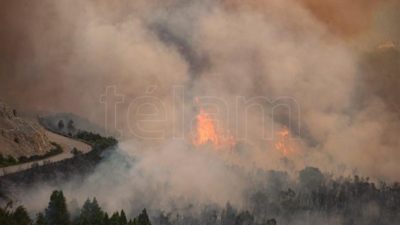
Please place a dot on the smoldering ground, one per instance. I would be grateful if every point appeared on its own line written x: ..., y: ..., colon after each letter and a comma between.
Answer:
x: 60, y: 56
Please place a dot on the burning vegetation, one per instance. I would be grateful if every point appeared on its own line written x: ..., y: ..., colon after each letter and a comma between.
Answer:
x: 209, y: 131
x: 276, y: 60
x: 283, y: 143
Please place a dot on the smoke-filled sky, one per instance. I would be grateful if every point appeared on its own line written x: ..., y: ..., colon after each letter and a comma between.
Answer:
x: 336, y: 63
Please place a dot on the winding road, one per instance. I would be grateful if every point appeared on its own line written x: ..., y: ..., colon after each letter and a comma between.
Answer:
x: 66, y: 143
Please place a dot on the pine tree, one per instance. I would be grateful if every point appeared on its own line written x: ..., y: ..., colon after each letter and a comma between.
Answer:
x: 134, y: 222
x: 122, y: 219
x: 5, y: 215
x: 57, y: 213
x: 91, y: 213
x: 228, y: 215
x: 114, y: 220
x: 106, y: 219
x: 71, y: 126
x: 60, y: 124
x: 21, y: 216
x: 40, y: 220
x: 143, y: 218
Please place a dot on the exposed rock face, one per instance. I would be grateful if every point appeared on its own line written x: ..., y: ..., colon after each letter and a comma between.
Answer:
x: 19, y: 137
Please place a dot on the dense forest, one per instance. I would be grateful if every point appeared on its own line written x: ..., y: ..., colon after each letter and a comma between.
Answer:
x: 57, y: 213
x: 314, y: 198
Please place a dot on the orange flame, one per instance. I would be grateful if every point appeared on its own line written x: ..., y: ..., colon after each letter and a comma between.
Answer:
x: 282, y: 143
x: 207, y: 132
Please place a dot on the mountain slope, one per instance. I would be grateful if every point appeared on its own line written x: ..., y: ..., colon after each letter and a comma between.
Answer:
x: 20, y: 137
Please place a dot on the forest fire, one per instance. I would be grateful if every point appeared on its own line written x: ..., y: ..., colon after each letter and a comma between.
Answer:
x: 208, y: 132
x: 283, y: 144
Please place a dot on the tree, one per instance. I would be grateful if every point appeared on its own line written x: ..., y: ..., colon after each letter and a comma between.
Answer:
x: 60, y: 124
x: 208, y: 217
x: 133, y: 222
x: 228, y: 215
x: 122, y: 218
x: 106, y: 219
x: 57, y: 213
x: 91, y: 213
x: 21, y: 216
x: 11, y: 160
x: 17, y: 217
x: 71, y: 126
x: 114, y: 220
x: 271, y: 221
x: 2, y: 160
x: 143, y: 218
x: 244, y: 218
x: 40, y: 220
x: 5, y: 215
x: 311, y: 178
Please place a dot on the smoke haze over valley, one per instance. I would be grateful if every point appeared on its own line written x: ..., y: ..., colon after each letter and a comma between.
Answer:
x: 211, y: 101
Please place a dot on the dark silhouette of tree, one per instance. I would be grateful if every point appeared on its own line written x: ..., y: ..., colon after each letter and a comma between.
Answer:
x: 57, y: 213
x: 271, y: 222
x: 311, y: 178
x: 40, y: 220
x: 244, y: 218
x: 17, y: 217
x: 71, y: 126
x: 165, y: 220
x: 5, y: 214
x: 21, y: 216
x: 228, y: 216
x: 143, y: 218
x: 122, y: 219
x: 114, y: 220
x: 60, y: 124
x: 91, y: 213
x: 106, y: 219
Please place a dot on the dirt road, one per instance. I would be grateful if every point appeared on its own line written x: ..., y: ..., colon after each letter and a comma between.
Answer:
x: 66, y: 143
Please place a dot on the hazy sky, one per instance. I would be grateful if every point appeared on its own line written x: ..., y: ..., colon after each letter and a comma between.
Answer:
x: 61, y: 56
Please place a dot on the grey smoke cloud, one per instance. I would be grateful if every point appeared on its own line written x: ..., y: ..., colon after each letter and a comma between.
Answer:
x: 60, y: 56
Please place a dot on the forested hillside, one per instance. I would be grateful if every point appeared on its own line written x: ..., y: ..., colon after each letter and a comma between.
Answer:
x: 314, y: 198
x: 57, y: 213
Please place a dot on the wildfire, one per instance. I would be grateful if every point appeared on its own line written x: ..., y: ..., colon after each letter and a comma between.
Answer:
x: 282, y: 143
x: 207, y: 132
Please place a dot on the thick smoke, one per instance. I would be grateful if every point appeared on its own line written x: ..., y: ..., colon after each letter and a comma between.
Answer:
x: 343, y: 18
x: 61, y: 56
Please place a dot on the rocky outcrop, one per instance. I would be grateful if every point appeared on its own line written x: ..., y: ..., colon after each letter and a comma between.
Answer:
x: 20, y: 137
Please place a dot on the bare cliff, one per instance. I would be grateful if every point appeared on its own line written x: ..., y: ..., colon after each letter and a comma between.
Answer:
x: 20, y: 137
